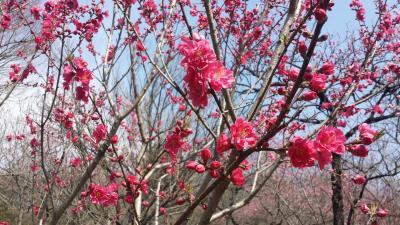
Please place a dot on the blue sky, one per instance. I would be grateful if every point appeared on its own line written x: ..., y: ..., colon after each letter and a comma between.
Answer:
x: 342, y: 17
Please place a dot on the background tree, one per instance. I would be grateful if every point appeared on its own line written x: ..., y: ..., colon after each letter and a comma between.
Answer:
x: 199, y: 112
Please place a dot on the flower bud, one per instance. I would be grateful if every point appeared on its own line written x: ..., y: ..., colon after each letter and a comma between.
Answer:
x: 200, y: 168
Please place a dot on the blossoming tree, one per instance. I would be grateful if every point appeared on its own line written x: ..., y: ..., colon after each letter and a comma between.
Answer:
x: 183, y: 112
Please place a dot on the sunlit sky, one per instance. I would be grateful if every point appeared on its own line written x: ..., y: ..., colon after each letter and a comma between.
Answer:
x: 340, y: 19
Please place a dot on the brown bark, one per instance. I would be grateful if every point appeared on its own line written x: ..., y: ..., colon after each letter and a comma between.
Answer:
x: 337, y: 195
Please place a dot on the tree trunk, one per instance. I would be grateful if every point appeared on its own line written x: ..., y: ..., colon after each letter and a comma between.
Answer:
x: 337, y: 196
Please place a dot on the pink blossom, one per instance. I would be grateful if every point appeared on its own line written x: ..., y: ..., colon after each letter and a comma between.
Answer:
x: 114, y: 174
x: 110, y: 54
x: 243, y: 135
x: 82, y: 94
x: 9, y: 137
x: 144, y: 187
x: 35, y: 10
x: 163, y: 211
x: 95, y: 116
x: 129, y: 2
x: 14, y: 72
x: 173, y: 144
x: 302, y: 48
x: 129, y: 198
x: 327, y: 69
x: 318, y: 82
x: 72, y: 4
x: 367, y: 134
x: 214, y: 173
x: 329, y: 140
x: 5, y: 21
x: 34, y: 143
x: 180, y: 201
x: 140, y: 47
x: 320, y: 14
x: 341, y: 123
x: 75, y: 162
x: 237, y: 177
x: 191, y: 165
x: 292, y: 74
x: 132, y: 179
x: 83, y: 74
x: 200, y: 168
x: 205, y: 154
x: 78, y: 70
x: 309, y: 96
x: 359, y: 150
x: 324, y: 157
x: 359, y: 179
x: 114, y: 139
x: 302, y: 153
x: 364, y: 208
x: 36, y: 209
x: 68, y: 76
x: 223, y: 144
x: 105, y: 196
x: 377, y: 109
x: 219, y: 77
x: 202, y: 68
x: 382, y: 212
x: 145, y: 203
x: 359, y: 8
x: 100, y: 133
x: 35, y: 168
x: 215, y: 165
x: 197, y: 88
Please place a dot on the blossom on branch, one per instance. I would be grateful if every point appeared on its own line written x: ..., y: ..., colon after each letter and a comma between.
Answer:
x: 203, y: 69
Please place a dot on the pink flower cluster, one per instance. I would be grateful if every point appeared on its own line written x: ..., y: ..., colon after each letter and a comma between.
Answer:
x: 367, y: 134
x: 136, y: 185
x: 100, y: 133
x: 237, y: 176
x: 202, y: 69
x: 357, y: 6
x: 77, y: 69
x: 75, y: 162
x: 65, y: 118
x: 5, y: 21
x: 374, y: 211
x: 200, y: 167
x: 56, y: 14
x: 358, y: 150
x: 104, y: 196
x: 175, y: 141
x: 31, y: 124
x: 317, y: 79
x: 243, y: 134
x: 243, y: 137
x: 303, y: 152
x: 320, y: 14
x: 16, y: 70
x: 223, y: 144
x: 359, y: 179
